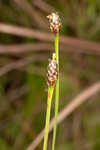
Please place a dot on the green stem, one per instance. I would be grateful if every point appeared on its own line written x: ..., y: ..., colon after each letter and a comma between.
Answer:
x: 50, y: 94
x: 57, y: 47
x: 56, y: 90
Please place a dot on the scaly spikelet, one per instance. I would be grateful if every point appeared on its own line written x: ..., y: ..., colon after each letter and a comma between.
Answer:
x: 52, y: 72
x: 55, y: 22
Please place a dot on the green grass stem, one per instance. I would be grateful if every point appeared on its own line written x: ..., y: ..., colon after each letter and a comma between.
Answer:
x: 56, y: 91
x: 49, y: 101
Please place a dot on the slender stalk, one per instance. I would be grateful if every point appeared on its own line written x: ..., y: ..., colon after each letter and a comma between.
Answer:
x: 56, y: 91
x: 50, y: 94
x: 57, y: 48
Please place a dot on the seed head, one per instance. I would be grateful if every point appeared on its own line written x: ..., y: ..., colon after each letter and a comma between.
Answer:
x: 55, y: 22
x: 52, y: 72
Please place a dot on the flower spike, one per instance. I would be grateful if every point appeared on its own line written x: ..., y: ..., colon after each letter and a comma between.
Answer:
x: 55, y: 22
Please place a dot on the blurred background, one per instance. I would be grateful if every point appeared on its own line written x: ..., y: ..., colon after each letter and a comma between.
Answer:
x: 26, y: 44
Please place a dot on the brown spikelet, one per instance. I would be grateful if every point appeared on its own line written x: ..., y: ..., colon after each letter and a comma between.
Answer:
x: 52, y: 72
x: 55, y: 22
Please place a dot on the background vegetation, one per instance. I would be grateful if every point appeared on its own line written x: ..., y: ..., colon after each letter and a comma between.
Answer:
x: 23, y: 61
